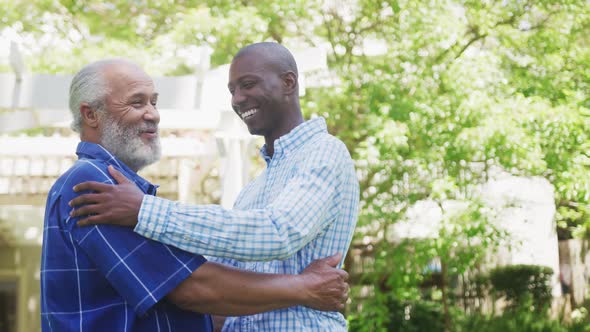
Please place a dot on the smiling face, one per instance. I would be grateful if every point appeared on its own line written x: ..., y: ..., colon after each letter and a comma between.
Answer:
x: 258, y: 95
x: 128, y: 125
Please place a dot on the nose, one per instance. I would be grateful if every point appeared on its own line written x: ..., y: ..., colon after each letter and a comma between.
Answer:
x: 151, y: 114
x: 237, y: 99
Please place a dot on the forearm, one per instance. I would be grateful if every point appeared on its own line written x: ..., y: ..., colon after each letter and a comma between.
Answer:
x: 275, y: 232
x: 221, y: 290
x: 218, y: 322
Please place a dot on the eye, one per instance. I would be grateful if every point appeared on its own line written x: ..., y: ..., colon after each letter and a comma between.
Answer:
x: 248, y: 84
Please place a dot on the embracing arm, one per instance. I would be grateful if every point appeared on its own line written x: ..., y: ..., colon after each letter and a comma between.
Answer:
x: 299, y: 213
x: 222, y: 290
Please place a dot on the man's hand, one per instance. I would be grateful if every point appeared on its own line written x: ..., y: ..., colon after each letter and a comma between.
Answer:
x: 325, y: 286
x: 108, y: 204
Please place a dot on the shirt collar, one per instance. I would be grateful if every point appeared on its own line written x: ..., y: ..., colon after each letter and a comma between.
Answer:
x: 296, y: 137
x: 87, y: 150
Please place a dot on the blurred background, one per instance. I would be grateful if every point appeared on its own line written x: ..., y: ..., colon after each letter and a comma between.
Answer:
x: 468, y: 121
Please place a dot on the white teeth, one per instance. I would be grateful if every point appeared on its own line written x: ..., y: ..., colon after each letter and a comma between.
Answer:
x: 249, y: 113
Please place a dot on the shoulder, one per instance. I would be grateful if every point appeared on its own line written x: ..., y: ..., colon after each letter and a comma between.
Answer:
x: 327, y: 148
x: 87, y: 170
x: 62, y: 190
x: 83, y: 170
x: 334, y: 143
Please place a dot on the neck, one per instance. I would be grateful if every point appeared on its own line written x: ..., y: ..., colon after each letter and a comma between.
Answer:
x: 90, y: 136
x: 269, y: 140
x: 270, y: 146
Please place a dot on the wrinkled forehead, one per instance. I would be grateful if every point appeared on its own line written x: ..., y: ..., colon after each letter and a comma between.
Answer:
x: 124, y: 79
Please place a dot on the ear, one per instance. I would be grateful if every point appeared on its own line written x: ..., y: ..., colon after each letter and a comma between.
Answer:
x: 89, y: 115
x: 289, y: 82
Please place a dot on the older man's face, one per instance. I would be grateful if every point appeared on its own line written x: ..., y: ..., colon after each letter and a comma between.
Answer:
x: 129, y: 127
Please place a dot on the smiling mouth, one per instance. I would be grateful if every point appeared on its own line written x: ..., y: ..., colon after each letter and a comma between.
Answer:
x: 248, y: 113
x: 149, y: 132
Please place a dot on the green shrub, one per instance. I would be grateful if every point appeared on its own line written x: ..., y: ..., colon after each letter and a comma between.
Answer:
x: 520, y: 319
x: 581, y: 318
x: 407, y: 316
x: 517, y: 283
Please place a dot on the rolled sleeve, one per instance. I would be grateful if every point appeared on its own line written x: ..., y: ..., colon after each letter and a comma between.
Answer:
x: 153, y: 215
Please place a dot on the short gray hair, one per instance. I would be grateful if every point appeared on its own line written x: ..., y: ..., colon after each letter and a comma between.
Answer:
x: 89, y: 86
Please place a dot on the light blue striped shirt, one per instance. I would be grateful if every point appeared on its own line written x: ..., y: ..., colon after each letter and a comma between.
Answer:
x: 302, y: 207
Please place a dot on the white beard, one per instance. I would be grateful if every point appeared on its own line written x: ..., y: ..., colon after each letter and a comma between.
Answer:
x: 126, y: 144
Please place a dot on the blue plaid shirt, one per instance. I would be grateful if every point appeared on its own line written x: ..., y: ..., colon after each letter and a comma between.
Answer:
x: 302, y: 207
x: 108, y: 278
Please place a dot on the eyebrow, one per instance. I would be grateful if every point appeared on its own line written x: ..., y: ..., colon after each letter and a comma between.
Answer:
x: 141, y: 95
x: 242, y: 78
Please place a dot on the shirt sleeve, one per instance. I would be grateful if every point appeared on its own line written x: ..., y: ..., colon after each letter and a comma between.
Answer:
x: 141, y: 270
x: 300, y: 212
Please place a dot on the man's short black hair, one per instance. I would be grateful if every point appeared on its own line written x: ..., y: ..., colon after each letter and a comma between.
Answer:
x: 278, y: 56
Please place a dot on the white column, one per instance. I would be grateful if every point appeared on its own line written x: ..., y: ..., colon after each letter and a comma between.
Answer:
x: 232, y: 179
x: 16, y: 61
x: 232, y: 142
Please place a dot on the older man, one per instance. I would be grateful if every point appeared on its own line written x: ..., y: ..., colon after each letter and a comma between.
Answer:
x: 108, y: 278
x: 303, y: 206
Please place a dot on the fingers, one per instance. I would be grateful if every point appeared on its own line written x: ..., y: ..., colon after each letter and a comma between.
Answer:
x: 92, y: 220
x: 84, y: 199
x: 334, y: 259
x: 346, y: 293
x: 118, y: 176
x: 344, y: 298
x: 84, y: 222
x: 338, y: 298
x: 92, y: 186
x: 85, y: 210
x: 343, y: 275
